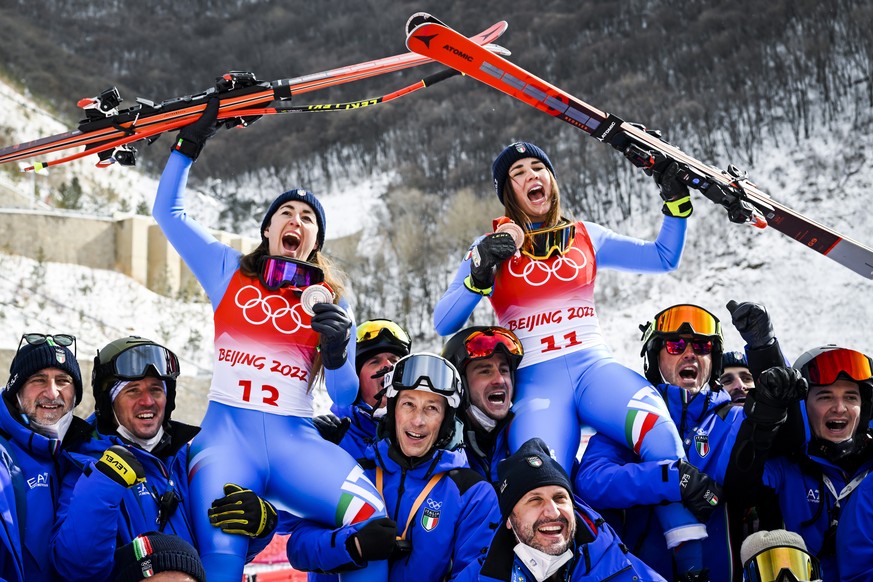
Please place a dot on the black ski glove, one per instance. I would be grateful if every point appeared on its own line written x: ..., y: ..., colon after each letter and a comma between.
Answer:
x: 775, y: 390
x: 700, y: 493
x: 489, y: 252
x: 331, y: 427
x: 121, y: 465
x: 193, y: 137
x: 753, y: 323
x: 242, y: 511
x: 376, y: 538
x: 334, y: 325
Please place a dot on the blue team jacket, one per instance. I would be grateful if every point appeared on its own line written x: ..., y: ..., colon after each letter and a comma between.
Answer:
x: 449, y: 530
x: 598, y: 555
x: 96, y: 515
x: 807, y: 504
x: 30, y: 465
x: 612, y: 478
x: 483, y: 454
x: 362, y: 430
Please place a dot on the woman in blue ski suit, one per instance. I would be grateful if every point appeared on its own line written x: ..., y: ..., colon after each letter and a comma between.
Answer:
x: 815, y: 485
x: 545, y: 295
x: 258, y: 430
x: 445, y: 511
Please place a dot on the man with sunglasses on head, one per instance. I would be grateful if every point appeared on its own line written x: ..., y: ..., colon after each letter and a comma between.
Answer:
x: 682, y: 350
x: 445, y: 513
x: 37, y: 427
x: 380, y: 343
x: 487, y: 358
x: 130, y: 477
x: 816, y: 482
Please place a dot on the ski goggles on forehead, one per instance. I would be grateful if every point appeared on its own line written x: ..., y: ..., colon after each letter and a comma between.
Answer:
x: 428, y: 370
x: 139, y: 361
x: 374, y: 328
x: 782, y: 564
x: 542, y: 244
x: 278, y: 272
x: 676, y: 347
x: 481, y: 344
x: 58, y: 339
x: 683, y: 319
x: 826, y: 367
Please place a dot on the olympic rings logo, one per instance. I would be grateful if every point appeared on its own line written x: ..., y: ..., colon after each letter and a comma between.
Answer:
x: 435, y: 505
x: 258, y: 310
x: 564, y: 268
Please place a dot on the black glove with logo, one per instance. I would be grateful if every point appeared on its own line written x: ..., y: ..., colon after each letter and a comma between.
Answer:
x: 242, y: 511
x: 775, y: 390
x: 376, y: 540
x: 753, y: 323
x: 334, y: 326
x: 331, y: 427
x: 700, y: 493
x: 121, y: 465
x: 193, y: 137
x: 489, y: 252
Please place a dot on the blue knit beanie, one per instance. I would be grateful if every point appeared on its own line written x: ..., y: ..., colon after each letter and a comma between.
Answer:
x: 511, y: 154
x: 31, y: 359
x: 735, y: 359
x: 302, y: 196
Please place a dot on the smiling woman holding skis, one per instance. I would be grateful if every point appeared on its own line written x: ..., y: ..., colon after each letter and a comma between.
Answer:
x: 545, y: 294
x: 258, y: 428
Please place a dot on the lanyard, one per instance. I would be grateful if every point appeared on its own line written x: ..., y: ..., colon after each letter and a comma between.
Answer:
x: 418, y: 500
x: 847, y: 490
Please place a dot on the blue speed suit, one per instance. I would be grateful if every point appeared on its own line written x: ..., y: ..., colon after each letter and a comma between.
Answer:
x: 449, y: 529
x: 258, y: 429
x: 568, y: 376
x: 611, y: 478
x: 30, y: 469
x: 598, y: 554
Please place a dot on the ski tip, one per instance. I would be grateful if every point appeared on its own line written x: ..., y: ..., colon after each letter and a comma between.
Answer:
x: 420, y: 18
x: 498, y: 50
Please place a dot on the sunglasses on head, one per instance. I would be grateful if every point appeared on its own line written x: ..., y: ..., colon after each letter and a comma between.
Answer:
x: 373, y: 328
x: 782, y: 564
x: 543, y: 243
x: 58, y: 339
x: 278, y: 272
x: 481, y: 344
x: 428, y: 370
x: 676, y: 347
x: 825, y: 368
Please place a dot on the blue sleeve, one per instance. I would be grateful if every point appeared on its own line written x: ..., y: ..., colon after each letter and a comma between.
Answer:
x: 855, y: 536
x: 610, y: 476
x: 86, y: 525
x: 717, y: 467
x: 477, y: 523
x: 624, y: 253
x: 315, y: 548
x: 342, y: 384
x: 212, y: 262
x: 457, y: 303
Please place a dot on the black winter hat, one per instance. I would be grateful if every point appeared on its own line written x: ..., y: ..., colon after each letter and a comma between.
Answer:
x: 734, y: 359
x: 30, y: 359
x: 511, y: 154
x: 531, y: 466
x: 152, y: 553
x: 302, y: 196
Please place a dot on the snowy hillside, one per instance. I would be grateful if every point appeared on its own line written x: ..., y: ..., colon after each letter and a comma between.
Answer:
x: 813, y: 300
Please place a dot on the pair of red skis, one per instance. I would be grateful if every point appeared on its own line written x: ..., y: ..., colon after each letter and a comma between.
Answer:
x: 108, y: 131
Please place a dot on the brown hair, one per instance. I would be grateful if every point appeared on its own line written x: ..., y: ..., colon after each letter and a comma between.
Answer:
x: 249, y: 265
